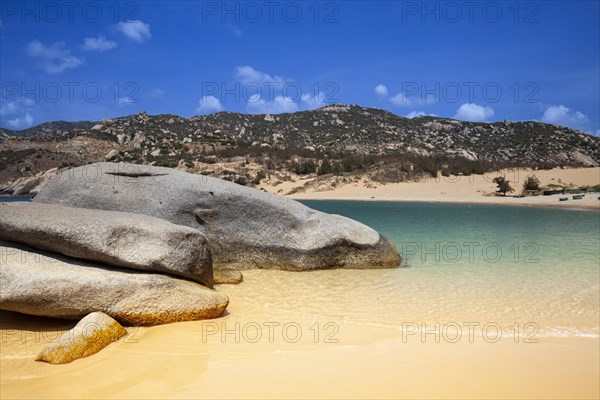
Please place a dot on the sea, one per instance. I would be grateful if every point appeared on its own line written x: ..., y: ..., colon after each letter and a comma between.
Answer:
x: 518, y: 269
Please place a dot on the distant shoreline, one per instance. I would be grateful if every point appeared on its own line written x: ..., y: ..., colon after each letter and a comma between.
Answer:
x: 474, y: 189
x: 574, y: 205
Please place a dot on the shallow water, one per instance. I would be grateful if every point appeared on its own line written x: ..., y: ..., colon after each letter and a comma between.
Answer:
x: 390, y: 333
x: 10, y: 199
x: 481, y: 263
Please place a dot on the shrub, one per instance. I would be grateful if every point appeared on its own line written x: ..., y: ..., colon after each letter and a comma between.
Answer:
x: 260, y: 175
x: 325, y: 167
x: 531, y: 183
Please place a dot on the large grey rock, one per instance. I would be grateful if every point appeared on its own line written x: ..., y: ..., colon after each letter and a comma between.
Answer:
x: 51, y: 285
x: 93, y: 333
x: 246, y: 228
x: 115, y: 238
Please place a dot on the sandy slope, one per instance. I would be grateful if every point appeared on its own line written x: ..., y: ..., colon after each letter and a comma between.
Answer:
x: 464, y: 189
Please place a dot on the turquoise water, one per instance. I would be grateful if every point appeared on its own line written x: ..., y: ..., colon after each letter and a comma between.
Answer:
x: 9, y: 199
x: 450, y: 235
x: 501, y: 263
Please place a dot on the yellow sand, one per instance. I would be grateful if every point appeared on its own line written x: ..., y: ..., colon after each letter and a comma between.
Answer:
x: 348, y: 358
x: 351, y: 357
x: 462, y: 189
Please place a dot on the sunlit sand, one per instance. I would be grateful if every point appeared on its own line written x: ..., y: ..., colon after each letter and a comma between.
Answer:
x: 464, y: 189
x: 320, y: 335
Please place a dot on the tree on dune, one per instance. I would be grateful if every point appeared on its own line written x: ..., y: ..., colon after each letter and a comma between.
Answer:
x: 503, y: 185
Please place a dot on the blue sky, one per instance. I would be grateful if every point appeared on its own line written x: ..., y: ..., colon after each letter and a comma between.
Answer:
x: 479, y: 60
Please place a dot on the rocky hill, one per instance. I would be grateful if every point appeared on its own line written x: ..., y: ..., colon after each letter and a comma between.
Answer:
x: 349, y: 137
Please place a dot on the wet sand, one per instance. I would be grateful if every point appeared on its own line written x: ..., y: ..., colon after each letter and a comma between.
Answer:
x: 165, y: 365
x: 267, y: 346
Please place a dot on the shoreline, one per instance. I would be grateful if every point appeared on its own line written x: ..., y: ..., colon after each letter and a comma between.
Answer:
x: 202, y: 358
x: 576, y: 205
x: 473, y: 189
x: 591, y: 203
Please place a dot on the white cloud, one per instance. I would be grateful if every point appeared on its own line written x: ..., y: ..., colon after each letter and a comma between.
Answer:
x: 271, y: 92
x: 125, y: 101
x: 404, y: 101
x: 8, y: 108
x: 20, y: 123
x: 473, y: 112
x: 16, y: 114
x: 381, y: 90
x: 99, y: 43
x: 312, y: 102
x: 414, y: 114
x: 247, y: 74
x: 53, y: 59
x: 208, y: 105
x: 561, y: 115
x: 401, y: 100
x: 429, y: 99
x: 135, y: 30
x: 281, y: 104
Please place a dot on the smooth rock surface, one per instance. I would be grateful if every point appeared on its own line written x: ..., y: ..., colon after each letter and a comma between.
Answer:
x: 115, y: 238
x: 51, y: 285
x: 93, y: 333
x: 245, y: 228
x: 28, y: 185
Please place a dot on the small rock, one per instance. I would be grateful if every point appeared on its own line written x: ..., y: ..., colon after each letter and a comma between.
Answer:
x: 322, y: 188
x: 227, y: 277
x: 26, y: 186
x: 112, y: 155
x: 93, y: 333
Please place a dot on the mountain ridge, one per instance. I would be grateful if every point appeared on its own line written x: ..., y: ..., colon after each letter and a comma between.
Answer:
x: 352, y: 136
x: 41, y: 126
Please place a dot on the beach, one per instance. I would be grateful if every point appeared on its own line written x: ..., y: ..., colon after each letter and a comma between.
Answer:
x: 476, y: 189
x: 235, y: 356
x: 172, y: 362
x: 190, y: 208
x: 491, y: 302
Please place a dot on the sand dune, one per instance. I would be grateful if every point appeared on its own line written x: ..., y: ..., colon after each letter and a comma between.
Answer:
x: 463, y: 189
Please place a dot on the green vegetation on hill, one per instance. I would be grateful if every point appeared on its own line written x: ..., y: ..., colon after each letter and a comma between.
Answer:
x: 336, y: 139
